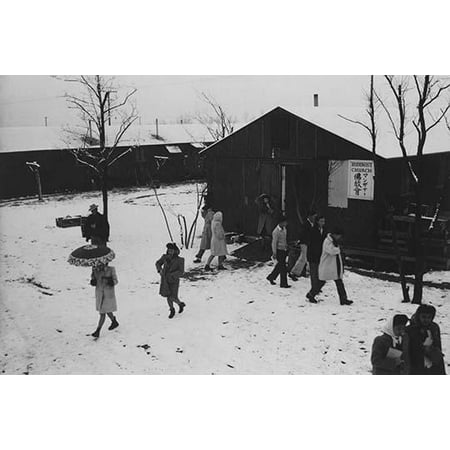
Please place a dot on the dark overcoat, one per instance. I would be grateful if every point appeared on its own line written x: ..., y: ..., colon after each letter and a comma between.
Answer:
x: 170, y: 269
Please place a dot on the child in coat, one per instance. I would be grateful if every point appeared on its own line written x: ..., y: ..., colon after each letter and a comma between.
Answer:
x: 104, y: 278
x: 218, y: 244
x: 171, y: 267
x: 387, y: 349
x: 423, y: 349
x: 205, y: 243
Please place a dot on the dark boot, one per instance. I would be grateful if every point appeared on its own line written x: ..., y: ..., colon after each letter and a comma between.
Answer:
x: 96, y: 334
x: 271, y: 281
x: 181, y: 307
x: 208, y: 268
x: 114, y: 324
x: 172, y: 313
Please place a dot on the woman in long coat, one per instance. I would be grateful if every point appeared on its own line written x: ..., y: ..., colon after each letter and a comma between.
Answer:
x: 205, y: 243
x: 104, y: 278
x: 331, y: 266
x: 171, y: 267
x: 218, y: 244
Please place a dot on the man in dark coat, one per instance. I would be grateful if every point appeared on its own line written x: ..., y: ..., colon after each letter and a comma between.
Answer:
x: 96, y: 228
x: 171, y: 267
x: 317, y: 235
x: 423, y: 349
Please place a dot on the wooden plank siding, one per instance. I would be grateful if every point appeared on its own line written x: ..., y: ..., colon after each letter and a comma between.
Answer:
x: 249, y: 162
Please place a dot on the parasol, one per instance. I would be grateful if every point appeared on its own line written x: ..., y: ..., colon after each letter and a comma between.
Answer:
x: 91, y: 255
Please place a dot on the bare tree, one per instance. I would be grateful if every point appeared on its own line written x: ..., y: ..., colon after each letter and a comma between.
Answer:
x: 89, y: 144
x: 426, y: 91
x: 218, y: 122
x: 371, y: 110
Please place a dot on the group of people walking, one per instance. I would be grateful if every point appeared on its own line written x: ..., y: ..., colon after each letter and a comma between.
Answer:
x: 318, y: 248
x: 406, y: 346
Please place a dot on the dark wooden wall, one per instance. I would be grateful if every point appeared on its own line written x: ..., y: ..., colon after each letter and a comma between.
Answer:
x: 244, y: 165
x: 60, y: 172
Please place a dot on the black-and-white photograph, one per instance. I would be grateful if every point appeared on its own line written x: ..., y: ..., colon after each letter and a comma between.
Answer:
x: 225, y: 224
x: 218, y: 220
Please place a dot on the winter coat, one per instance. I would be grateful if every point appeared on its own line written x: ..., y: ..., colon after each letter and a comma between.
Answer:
x: 205, y: 243
x: 105, y: 296
x: 170, y: 269
x: 305, y: 232
x: 315, y: 244
x: 218, y: 245
x: 266, y: 218
x: 386, y: 354
x: 330, y: 265
x: 96, y: 226
x: 415, y: 352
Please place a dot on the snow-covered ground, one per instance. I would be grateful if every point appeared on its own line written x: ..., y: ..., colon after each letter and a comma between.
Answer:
x: 234, y: 322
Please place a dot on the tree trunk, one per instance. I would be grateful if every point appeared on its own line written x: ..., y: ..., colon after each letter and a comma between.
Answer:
x: 405, y: 288
x: 419, y: 246
x: 105, y: 193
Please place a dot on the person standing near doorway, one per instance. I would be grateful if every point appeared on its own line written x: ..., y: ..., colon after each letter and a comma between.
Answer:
x: 279, y: 252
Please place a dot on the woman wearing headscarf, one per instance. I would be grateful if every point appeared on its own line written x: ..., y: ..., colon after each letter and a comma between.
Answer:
x: 423, y: 349
x: 205, y: 243
x: 387, y: 349
x: 218, y: 244
x: 171, y: 267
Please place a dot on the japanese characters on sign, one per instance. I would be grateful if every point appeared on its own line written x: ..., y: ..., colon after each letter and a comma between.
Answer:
x: 361, y: 179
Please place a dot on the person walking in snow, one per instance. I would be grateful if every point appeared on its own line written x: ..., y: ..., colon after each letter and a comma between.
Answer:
x: 304, y: 241
x: 171, y: 267
x: 104, y: 278
x: 279, y: 252
x: 314, y: 252
x: 218, y: 244
x: 331, y: 266
x: 96, y: 228
x: 205, y: 243
x: 387, y: 350
x: 423, y: 348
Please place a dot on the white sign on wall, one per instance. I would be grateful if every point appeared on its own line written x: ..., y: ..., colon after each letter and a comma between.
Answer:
x: 361, y: 176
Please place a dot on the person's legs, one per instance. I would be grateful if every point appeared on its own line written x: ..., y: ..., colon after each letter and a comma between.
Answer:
x: 341, y: 292
x: 171, y: 308
x: 301, y: 261
x: 114, y: 323
x: 221, y: 260
x: 281, y: 257
x: 101, y: 321
x: 208, y: 262
x: 274, y: 274
x: 198, y: 256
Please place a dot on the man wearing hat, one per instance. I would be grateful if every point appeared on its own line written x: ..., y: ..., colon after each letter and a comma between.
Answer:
x: 96, y: 228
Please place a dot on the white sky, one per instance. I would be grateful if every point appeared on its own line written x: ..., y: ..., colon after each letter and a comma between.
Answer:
x: 26, y: 100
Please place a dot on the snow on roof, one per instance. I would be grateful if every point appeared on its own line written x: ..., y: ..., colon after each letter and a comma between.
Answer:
x: 438, y: 139
x: 21, y: 139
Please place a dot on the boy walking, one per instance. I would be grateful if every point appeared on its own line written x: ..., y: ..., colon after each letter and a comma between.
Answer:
x: 279, y: 252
